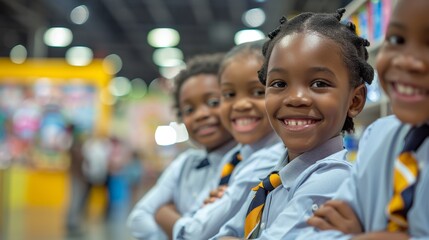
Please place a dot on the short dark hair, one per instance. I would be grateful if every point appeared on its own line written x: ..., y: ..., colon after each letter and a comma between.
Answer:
x: 352, y: 46
x: 199, y: 64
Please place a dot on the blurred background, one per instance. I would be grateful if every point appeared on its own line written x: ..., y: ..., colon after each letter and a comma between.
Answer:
x: 87, y: 83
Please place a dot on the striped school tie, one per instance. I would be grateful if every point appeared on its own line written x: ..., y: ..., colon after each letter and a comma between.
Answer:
x: 229, y: 167
x: 256, y: 207
x: 405, y: 178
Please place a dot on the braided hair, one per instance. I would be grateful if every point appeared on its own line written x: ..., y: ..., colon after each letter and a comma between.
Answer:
x: 352, y: 46
x: 200, y: 64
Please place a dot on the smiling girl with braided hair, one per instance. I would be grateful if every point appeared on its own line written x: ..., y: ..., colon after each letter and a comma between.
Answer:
x: 314, y: 73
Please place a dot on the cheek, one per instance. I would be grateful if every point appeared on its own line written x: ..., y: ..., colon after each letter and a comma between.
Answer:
x: 224, y: 113
x: 271, y: 104
x: 336, y: 107
x: 381, y: 65
x: 188, y: 124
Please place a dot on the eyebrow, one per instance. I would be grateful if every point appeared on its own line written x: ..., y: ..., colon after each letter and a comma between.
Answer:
x: 396, y: 25
x: 312, y: 70
x: 402, y: 26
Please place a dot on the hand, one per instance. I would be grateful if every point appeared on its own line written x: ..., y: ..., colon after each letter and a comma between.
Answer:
x: 215, y: 194
x: 336, y: 215
x: 382, y: 236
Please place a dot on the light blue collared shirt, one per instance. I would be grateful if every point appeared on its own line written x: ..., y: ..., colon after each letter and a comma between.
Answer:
x: 181, y: 183
x: 308, y: 181
x: 258, y: 161
x: 370, y: 188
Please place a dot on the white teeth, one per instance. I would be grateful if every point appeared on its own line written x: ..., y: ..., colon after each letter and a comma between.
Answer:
x: 244, y: 121
x: 298, y: 122
x: 408, y: 90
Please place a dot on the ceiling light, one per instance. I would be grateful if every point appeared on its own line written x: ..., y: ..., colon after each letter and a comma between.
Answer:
x: 254, y: 17
x: 79, y: 14
x: 138, y: 88
x: 119, y: 86
x: 163, y: 37
x: 18, y: 54
x: 79, y: 56
x: 171, y: 72
x: 58, y: 37
x: 112, y: 64
x: 167, y: 57
x: 248, y: 35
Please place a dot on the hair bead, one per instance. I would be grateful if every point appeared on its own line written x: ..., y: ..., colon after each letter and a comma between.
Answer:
x: 340, y: 13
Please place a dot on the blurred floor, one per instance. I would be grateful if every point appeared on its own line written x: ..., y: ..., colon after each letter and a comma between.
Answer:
x: 48, y: 224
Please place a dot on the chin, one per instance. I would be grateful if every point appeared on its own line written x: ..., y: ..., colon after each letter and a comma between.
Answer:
x: 410, y: 117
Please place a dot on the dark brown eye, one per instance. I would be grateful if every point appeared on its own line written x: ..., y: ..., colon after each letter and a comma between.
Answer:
x: 395, y: 39
x: 319, y: 84
x: 213, y: 102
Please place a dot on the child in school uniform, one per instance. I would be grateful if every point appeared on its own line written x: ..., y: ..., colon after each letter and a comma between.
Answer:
x: 185, y: 184
x: 387, y: 195
x: 243, y: 113
x: 314, y: 72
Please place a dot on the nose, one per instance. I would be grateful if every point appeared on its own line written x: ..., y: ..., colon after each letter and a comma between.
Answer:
x: 202, y: 113
x: 242, y: 104
x: 410, y: 61
x: 297, y: 97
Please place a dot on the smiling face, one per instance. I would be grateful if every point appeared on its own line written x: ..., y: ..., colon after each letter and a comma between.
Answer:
x: 199, y: 106
x: 243, y: 103
x: 308, y: 94
x: 403, y: 61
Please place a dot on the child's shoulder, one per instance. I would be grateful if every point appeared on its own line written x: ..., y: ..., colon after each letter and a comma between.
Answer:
x: 274, y: 151
x: 190, y: 153
x: 337, y: 159
x: 381, y: 130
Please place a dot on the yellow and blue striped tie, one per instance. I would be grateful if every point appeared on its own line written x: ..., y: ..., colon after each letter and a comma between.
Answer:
x: 229, y: 167
x: 256, y: 207
x: 405, y: 178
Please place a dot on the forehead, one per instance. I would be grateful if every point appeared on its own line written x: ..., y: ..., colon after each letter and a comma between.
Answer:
x: 241, y: 70
x: 198, y: 85
x: 310, y: 47
x: 412, y: 13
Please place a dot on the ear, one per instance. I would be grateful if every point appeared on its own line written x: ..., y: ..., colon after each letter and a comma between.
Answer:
x: 357, y: 102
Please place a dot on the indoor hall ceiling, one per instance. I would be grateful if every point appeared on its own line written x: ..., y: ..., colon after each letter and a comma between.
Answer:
x: 121, y: 26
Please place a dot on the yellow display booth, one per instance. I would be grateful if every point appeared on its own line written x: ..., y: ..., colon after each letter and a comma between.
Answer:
x: 45, y: 184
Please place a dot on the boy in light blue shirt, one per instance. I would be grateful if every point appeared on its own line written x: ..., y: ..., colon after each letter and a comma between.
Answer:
x: 185, y: 184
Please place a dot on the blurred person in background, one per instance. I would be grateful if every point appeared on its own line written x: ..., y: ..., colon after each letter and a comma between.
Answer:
x: 88, y: 167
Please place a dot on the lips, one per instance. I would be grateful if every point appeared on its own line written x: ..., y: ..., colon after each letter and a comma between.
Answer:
x: 407, y: 92
x: 205, y: 130
x: 245, y: 124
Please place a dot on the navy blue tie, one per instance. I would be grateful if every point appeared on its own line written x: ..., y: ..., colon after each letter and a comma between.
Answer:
x: 204, y: 163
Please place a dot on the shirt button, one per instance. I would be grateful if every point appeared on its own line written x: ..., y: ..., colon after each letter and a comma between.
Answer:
x: 314, y: 207
x: 262, y: 225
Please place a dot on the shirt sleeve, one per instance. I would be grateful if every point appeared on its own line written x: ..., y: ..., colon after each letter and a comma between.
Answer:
x: 207, y: 221
x: 235, y: 226
x: 346, y: 192
x: 318, y: 187
x: 141, y: 220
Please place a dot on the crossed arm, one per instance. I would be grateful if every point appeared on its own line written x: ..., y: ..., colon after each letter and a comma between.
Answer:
x: 338, y: 215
